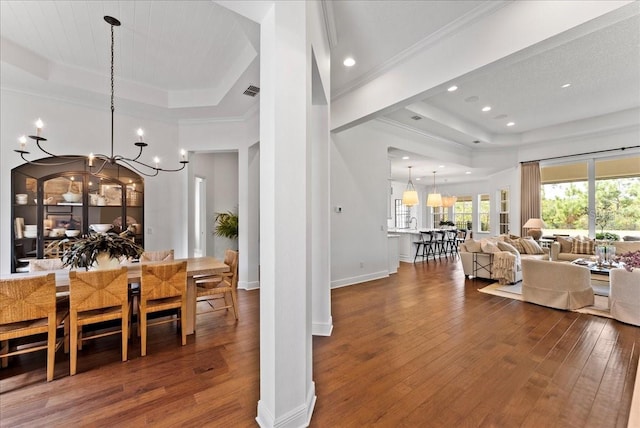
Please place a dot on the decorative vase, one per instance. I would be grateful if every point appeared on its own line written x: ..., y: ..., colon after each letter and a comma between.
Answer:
x: 104, y: 261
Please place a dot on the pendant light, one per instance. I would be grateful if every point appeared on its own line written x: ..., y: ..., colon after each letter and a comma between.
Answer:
x: 448, y: 201
x: 434, y: 199
x: 410, y: 196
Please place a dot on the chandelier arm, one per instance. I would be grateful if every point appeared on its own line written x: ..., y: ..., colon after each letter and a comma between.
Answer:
x: 139, y: 171
x: 184, y: 163
x: 50, y: 154
x: 105, y: 160
x: 22, y: 153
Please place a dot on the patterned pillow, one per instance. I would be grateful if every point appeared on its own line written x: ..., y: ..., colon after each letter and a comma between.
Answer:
x: 566, y: 244
x: 517, y: 245
x: 531, y: 247
x: 583, y: 247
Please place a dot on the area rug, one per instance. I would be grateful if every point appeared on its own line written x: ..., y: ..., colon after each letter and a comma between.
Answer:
x: 600, y: 306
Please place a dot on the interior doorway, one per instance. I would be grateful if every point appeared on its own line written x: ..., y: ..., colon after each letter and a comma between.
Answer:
x: 200, y: 210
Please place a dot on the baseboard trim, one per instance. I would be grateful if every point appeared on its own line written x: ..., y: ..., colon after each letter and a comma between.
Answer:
x: 296, y: 418
x: 248, y: 285
x: 358, y: 279
x: 322, y: 329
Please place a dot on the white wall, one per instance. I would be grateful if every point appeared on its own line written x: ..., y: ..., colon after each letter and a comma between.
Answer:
x: 358, y: 182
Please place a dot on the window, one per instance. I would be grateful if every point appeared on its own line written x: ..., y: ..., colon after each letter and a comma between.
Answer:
x: 438, y: 216
x: 568, y: 209
x: 402, y: 215
x: 484, y: 212
x: 504, y: 211
x: 463, y: 213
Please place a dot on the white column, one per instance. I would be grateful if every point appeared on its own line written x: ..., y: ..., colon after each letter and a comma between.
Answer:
x: 320, y: 245
x: 248, y: 215
x: 287, y: 392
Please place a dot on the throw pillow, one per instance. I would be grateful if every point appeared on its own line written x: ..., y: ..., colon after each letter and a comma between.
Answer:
x: 531, y: 247
x: 503, y: 246
x: 488, y: 246
x: 583, y: 247
x: 517, y: 245
x: 566, y: 244
x: 473, y: 246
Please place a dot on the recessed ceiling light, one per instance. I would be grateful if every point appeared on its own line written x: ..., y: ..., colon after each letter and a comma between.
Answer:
x: 452, y: 88
x: 486, y: 108
x: 441, y: 166
x: 472, y: 99
x: 566, y: 85
x: 417, y: 178
x: 349, y: 62
x: 405, y: 157
x: 511, y: 124
x: 467, y: 172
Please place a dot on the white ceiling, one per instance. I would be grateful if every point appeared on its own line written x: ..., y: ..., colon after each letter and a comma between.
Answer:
x: 193, y: 60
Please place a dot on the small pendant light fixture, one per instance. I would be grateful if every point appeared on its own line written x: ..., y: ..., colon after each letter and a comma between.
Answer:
x: 410, y: 196
x: 434, y: 199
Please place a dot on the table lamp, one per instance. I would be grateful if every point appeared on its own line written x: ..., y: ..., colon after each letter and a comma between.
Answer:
x: 534, y: 225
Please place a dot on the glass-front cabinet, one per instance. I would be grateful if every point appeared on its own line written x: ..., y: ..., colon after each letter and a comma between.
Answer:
x: 57, y: 199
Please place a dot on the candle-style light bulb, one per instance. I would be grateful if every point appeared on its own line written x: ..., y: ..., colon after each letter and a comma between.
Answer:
x: 91, y: 157
x: 39, y: 126
x: 140, y: 134
x: 23, y: 142
x: 183, y: 153
x: 156, y: 160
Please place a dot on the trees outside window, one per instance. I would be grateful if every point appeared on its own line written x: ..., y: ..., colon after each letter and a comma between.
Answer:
x: 615, y: 211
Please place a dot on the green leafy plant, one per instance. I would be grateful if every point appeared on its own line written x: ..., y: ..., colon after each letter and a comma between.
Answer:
x: 84, y: 251
x: 608, y: 236
x: 226, y: 225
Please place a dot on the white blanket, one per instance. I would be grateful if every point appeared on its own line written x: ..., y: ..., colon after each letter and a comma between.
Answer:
x: 504, y: 267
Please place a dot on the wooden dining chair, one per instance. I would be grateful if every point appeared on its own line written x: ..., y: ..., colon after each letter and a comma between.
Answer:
x: 163, y: 287
x: 223, y: 286
x: 157, y: 256
x: 28, y: 308
x: 95, y: 297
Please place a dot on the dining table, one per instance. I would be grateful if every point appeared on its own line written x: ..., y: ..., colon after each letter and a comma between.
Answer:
x: 196, y: 267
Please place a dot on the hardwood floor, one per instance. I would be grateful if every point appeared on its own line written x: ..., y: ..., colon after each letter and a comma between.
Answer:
x: 422, y: 348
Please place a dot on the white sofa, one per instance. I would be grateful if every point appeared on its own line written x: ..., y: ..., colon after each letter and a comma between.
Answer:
x: 557, y: 253
x: 556, y: 285
x: 624, y: 296
x: 484, y: 267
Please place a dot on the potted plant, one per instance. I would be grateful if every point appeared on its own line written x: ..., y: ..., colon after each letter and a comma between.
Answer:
x: 96, y: 249
x: 226, y: 225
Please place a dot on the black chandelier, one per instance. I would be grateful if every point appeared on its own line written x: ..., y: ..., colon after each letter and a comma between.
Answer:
x: 97, y: 162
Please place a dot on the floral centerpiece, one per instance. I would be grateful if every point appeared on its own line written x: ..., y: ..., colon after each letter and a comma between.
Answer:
x: 87, y: 251
x: 631, y: 260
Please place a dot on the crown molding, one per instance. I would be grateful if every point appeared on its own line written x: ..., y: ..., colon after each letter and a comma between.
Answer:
x: 329, y: 22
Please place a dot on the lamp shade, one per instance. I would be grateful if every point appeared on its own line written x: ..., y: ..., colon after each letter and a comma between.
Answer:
x: 448, y: 201
x: 410, y: 198
x: 434, y: 200
x: 534, y: 223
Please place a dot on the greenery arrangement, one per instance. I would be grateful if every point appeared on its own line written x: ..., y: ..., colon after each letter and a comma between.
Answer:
x: 226, y: 225
x: 84, y: 251
x: 447, y: 223
x: 607, y: 236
